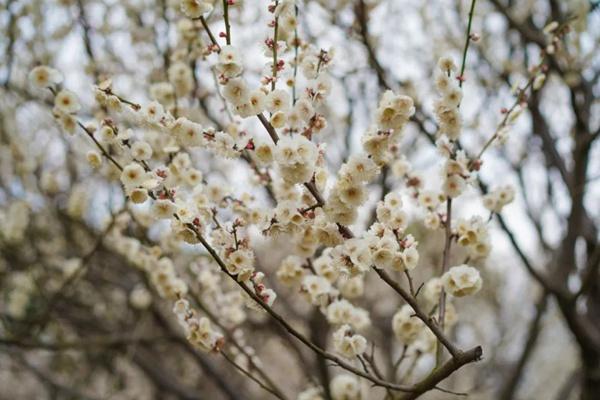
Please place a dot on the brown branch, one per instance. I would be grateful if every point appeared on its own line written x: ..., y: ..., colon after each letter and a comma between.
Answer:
x: 161, y: 377
x: 590, y: 274
x: 544, y: 281
x: 509, y: 388
x: 249, y: 375
x: 441, y: 373
x: 51, y: 382
x: 431, y: 324
x: 231, y: 338
x: 567, y: 388
x: 226, y: 19
x: 210, y: 34
x: 270, y: 130
x: 541, y: 129
x: 319, y: 329
x: 42, y: 321
x: 526, y: 31
x: 221, y: 383
x: 361, y: 15
x: 100, y: 147
x: 10, y: 49
x: 445, y: 265
x: 87, y: 42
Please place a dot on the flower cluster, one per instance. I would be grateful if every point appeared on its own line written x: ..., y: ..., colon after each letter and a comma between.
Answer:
x: 160, y: 270
x: 312, y: 393
x: 473, y: 235
x: 348, y: 343
x: 390, y: 249
x: 239, y: 260
x: 392, y: 115
x: 456, y: 171
x: 405, y: 325
x: 446, y: 106
x: 343, y: 312
x: 350, y: 190
x: 462, y: 280
x: 411, y: 331
x: 195, y: 8
x: 346, y: 387
x: 22, y: 287
x: 291, y: 271
x: 199, y: 330
x: 296, y: 158
x: 66, y: 103
x: 14, y: 221
x: 498, y: 198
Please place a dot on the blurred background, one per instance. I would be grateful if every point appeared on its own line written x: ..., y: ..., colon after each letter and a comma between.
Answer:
x: 102, y: 333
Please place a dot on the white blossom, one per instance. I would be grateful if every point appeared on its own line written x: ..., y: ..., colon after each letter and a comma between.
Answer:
x: 405, y: 325
x: 462, y: 280
x: 345, y: 387
x: 195, y: 8
x: 43, y: 76
x: 348, y: 343
x: 67, y: 102
x: 133, y: 175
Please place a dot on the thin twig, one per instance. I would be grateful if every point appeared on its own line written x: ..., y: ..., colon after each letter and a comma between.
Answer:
x: 445, y: 264
x: 210, y: 34
x: 226, y: 19
x: 249, y: 375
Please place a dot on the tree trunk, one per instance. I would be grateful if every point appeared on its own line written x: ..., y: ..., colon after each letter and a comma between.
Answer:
x: 590, y: 385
